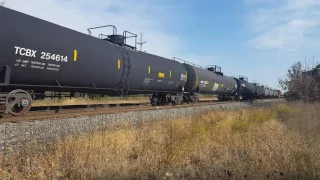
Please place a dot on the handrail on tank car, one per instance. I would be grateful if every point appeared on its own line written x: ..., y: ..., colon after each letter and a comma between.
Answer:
x: 240, y: 77
x: 114, y: 29
x: 125, y: 38
x: 254, y: 82
x: 102, y: 35
x: 215, y: 67
x: 243, y: 78
x: 178, y: 59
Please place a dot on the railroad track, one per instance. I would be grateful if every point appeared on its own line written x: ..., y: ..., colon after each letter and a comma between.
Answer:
x: 58, y: 112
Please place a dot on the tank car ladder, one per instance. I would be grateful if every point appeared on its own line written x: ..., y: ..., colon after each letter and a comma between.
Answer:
x: 124, y: 83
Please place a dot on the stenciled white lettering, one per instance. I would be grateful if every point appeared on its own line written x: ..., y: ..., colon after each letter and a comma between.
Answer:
x: 25, y: 52
x: 17, y: 49
x: 44, y: 55
x: 21, y: 51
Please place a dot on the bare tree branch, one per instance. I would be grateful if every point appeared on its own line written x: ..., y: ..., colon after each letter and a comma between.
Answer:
x: 2, y: 3
x: 302, y: 82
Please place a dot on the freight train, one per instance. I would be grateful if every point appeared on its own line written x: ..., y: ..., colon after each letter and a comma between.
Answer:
x: 38, y: 56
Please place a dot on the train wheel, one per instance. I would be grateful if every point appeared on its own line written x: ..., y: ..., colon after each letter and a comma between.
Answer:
x: 18, y: 102
x: 191, y: 99
x: 154, y: 101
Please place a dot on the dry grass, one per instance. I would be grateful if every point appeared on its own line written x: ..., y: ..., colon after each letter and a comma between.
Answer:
x: 86, y: 101
x: 277, y: 143
x: 109, y: 100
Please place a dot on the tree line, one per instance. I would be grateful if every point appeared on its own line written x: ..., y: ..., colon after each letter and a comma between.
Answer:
x: 302, y: 82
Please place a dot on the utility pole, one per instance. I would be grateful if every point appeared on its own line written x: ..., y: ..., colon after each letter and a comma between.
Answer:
x: 141, y: 42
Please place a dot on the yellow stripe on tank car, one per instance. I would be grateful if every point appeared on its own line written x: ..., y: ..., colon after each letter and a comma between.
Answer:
x: 197, y: 81
x: 170, y: 74
x: 119, y: 63
x: 186, y: 76
x: 149, y: 69
x: 75, y: 55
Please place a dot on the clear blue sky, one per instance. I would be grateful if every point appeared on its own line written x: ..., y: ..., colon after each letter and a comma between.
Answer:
x: 216, y: 26
x: 259, y: 39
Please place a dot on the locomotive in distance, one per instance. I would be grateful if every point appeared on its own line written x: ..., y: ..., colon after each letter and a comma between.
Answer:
x: 38, y: 56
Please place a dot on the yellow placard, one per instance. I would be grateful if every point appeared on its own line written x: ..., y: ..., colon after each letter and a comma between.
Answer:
x: 161, y: 75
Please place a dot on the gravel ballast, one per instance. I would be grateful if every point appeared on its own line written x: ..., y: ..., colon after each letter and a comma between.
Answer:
x: 13, y: 135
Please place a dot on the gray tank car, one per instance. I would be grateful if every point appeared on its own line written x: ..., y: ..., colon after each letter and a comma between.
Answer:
x: 79, y: 61
x: 246, y: 90
x: 260, y: 92
x: 210, y: 80
x: 271, y: 93
x: 41, y: 56
x: 268, y: 92
x: 274, y: 93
